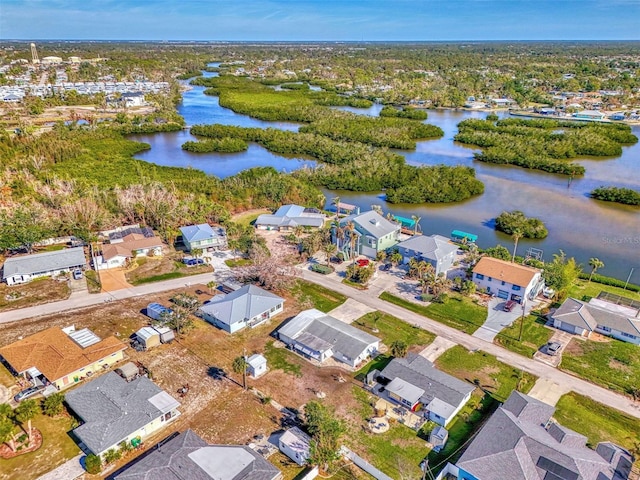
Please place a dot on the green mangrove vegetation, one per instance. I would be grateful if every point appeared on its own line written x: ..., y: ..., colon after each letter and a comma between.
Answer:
x: 515, y: 222
x: 412, y: 114
x: 220, y: 145
x: 626, y: 196
x: 543, y: 144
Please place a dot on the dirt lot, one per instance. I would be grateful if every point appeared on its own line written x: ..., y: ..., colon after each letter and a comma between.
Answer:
x: 37, y: 292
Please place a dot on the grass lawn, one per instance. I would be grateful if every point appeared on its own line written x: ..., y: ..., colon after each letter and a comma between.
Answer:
x: 583, y: 288
x: 157, y: 269
x: 534, y: 335
x: 93, y: 282
x: 247, y: 218
x: 494, y: 377
x: 391, y: 329
x: 283, y: 359
x: 321, y: 298
x: 458, y: 312
x: 597, y: 421
x: 238, y: 262
x: 613, y: 364
x: 57, y: 447
x: 6, y: 378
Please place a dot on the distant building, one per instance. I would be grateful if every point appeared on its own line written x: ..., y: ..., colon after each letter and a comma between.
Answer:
x: 133, y: 99
x: 589, y: 115
x: 120, y: 253
x: 507, y: 280
x: 25, y: 268
x: 188, y: 457
x: 288, y: 217
x: 51, y: 60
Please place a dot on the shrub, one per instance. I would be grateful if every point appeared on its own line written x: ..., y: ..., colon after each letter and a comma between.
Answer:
x: 426, y: 297
x: 93, y: 464
x: 112, y: 455
x: 626, y: 196
x: 613, y: 282
x: 52, y: 405
x: 510, y: 222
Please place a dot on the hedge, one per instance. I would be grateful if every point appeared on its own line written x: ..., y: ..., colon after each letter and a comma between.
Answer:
x: 612, y: 282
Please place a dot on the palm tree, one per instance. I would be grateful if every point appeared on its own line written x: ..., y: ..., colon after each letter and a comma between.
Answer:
x: 377, y: 209
x: 240, y: 366
x: 339, y: 232
x: 336, y: 202
x: 329, y: 249
x: 25, y: 413
x: 595, y: 264
x: 298, y: 231
x: 516, y: 235
x: 196, y: 252
x: 399, y: 348
x: 416, y: 225
x: 212, y: 285
x: 351, y: 228
x: 6, y: 432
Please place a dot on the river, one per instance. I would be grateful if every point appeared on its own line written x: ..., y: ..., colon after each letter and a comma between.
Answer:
x: 581, y: 226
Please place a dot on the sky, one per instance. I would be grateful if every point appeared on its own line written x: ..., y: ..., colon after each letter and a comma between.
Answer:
x: 340, y: 20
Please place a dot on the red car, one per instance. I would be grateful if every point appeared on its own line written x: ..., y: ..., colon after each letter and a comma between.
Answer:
x: 508, y: 306
x: 363, y: 262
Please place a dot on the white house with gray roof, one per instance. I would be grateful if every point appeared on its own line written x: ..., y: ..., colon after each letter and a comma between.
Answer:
x: 204, y: 237
x: 319, y: 336
x: 416, y: 384
x: 113, y: 410
x: 249, y: 306
x: 520, y: 441
x: 296, y: 445
x: 188, y: 457
x: 288, y: 217
x: 434, y: 249
x: 28, y: 267
x: 581, y: 318
x: 374, y: 233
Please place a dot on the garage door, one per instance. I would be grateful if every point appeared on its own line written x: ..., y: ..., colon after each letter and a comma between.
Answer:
x: 503, y: 294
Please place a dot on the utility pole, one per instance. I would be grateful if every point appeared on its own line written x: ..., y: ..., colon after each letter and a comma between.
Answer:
x: 628, y: 278
x: 524, y: 302
x: 244, y: 370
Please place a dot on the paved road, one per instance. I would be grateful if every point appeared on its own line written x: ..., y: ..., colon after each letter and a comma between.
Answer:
x: 541, y: 370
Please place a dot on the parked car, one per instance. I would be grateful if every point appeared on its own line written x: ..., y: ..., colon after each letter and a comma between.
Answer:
x: 362, y: 262
x: 553, y: 348
x: 27, y: 393
x: 337, y: 260
x: 509, y: 305
x: 386, y: 267
x: 77, y: 274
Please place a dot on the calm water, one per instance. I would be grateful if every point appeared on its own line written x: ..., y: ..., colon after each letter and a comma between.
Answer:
x: 582, y: 227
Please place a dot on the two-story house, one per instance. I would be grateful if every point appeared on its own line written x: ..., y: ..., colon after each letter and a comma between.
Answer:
x: 203, y: 237
x: 372, y: 231
x: 507, y: 280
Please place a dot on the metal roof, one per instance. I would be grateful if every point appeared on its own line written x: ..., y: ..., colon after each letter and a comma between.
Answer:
x: 84, y: 338
x: 372, y: 223
x: 65, y: 259
x: 145, y: 333
x: 433, y: 247
x: 256, y: 360
x: 242, y: 304
x: 405, y: 390
x: 196, y: 233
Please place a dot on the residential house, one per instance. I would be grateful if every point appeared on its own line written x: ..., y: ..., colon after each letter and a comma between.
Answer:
x: 133, y: 245
x: 416, y: 384
x: 521, y: 441
x: 507, y: 280
x: 373, y: 233
x: 204, y: 237
x: 256, y: 365
x: 296, y: 445
x: 132, y: 99
x: 113, y: 411
x: 27, y: 267
x: 316, y: 335
x: 600, y: 316
x: 248, y: 306
x: 589, y: 115
x: 62, y: 357
x: 434, y: 249
x: 188, y: 457
x: 288, y: 217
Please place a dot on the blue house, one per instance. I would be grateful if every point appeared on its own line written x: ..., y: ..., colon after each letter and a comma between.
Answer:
x: 204, y: 237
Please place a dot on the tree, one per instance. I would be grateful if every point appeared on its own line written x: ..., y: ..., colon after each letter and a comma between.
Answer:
x: 6, y: 432
x: 329, y: 249
x: 52, y: 405
x: 25, y: 413
x: 595, y: 264
x: 212, y: 285
x: 416, y: 224
x: 6, y: 411
x: 399, y: 348
x: 516, y: 235
x: 93, y: 464
x: 326, y: 432
x: 353, y: 238
x: 196, y: 252
x: 395, y: 258
x: 498, y: 252
x: 335, y: 201
x: 239, y: 366
x: 22, y: 228
x: 266, y: 271
x: 381, y: 256
x: 112, y: 455
x: 561, y: 273
x: 377, y: 209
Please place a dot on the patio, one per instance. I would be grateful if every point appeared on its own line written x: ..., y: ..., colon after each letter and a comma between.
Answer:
x: 400, y: 414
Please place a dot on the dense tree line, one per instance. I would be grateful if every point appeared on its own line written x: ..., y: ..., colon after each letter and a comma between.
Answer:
x: 516, y: 222
x: 543, y: 144
x: 626, y: 196
x: 412, y: 114
x: 221, y: 145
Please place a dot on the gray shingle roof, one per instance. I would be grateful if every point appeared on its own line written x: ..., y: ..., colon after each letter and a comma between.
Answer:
x: 324, y: 332
x: 44, y: 262
x: 292, y: 215
x: 433, y: 247
x: 196, y: 233
x: 112, y: 409
x: 242, y: 304
x: 514, y: 444
x: 373, y: 223
x: 188, y: 457
x: 589, y: 316
x: 420, y: 372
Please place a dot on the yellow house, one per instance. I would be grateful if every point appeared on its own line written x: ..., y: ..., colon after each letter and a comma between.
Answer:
x: 62, y: 357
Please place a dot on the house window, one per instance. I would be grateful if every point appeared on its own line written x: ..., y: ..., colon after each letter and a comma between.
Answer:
x: 605, y: 329
x: 479, y: 276
x: 628, y: 335
x: 516, y: 288
x: 503, y: 282
x: 489, y: 279
x: 166, y: 416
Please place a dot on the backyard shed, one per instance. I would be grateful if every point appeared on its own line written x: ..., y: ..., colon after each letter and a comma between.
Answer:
x: 128, y: 371
x: 156, y: 311
x: 166, y: 334
x: 256, y: 365
x: 148, y: 337
x: 438, y: 438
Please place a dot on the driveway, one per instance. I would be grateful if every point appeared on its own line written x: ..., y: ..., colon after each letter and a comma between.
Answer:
x: 563, y: 338
x: 350, y: 310
x: 497, y: 319
x: 113, y: 279
x: 437, y: 348
x: 548, y: 391
x: 69, y: 470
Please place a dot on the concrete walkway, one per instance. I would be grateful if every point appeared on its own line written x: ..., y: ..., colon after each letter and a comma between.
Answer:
x: 539, y: 369
x: 350, y: 310
x: 69, y: 470
x: 547, y: 391
x: 437, y: 348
